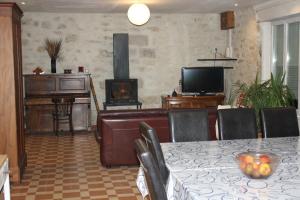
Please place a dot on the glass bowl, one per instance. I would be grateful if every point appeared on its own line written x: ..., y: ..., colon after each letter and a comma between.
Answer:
x: 257, y: 165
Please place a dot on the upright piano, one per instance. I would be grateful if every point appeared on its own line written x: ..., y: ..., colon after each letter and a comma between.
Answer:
x: 39, y: 91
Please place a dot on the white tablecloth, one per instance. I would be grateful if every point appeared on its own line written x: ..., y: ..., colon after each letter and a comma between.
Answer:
x: 208, y: 170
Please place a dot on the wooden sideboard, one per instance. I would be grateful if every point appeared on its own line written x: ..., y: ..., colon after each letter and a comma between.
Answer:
x: 39, y: 91
x: 169, y: 102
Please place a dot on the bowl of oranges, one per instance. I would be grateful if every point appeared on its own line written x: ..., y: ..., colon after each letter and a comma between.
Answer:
x: 257, y: 165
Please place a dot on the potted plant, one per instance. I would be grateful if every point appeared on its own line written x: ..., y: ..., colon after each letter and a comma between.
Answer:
x: 53, y: 47
x: 270, y: 93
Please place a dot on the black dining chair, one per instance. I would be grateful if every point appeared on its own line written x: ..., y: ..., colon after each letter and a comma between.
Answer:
x: 153, y: 177
x: 62, y: 113
x: 237, y: 123
x: 150, y: 136
x: 189, y: 125
x: 279, y: 122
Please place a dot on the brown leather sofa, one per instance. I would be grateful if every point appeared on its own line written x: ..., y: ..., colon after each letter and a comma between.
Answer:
x: 117, y: 130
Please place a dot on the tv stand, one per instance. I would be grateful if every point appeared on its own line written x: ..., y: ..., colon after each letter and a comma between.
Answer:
x: 207, y: 94
x: 198, y: 94
x: 207, y: 101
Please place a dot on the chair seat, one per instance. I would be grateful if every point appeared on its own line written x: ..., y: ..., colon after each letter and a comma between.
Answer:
x: 61, y: 115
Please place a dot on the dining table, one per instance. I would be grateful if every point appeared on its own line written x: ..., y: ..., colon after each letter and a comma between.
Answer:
x: 209, y: 170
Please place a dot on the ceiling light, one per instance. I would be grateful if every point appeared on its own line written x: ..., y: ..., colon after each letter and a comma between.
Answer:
x: 236, y: 4
x: 138, y: 14
x: 22, y: 3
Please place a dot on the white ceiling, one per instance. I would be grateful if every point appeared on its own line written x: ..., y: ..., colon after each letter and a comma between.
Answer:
x: 121, y: 6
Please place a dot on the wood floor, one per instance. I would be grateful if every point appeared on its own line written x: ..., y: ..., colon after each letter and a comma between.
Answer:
x: 68, y: 167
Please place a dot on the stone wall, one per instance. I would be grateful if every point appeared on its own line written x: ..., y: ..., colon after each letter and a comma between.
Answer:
x: 246, y: 46
x: 158, y: 49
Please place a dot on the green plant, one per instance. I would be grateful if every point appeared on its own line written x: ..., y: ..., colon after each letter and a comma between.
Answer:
x: 270, y: 93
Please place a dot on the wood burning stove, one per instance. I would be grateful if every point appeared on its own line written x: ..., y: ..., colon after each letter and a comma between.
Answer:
x: 120, y: 91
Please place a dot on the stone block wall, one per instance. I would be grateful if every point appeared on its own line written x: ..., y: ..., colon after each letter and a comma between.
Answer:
x: 246, y: 46
x: 157, y: 50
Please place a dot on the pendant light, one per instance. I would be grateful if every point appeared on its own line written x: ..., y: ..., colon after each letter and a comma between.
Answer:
x: 138, y: 14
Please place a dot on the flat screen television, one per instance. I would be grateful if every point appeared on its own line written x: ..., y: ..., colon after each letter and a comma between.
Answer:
x: 202, y: 80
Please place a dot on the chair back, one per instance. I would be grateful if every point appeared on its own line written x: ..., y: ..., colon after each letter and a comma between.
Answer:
x: 63, y: 106
x: 189, y: 125
x: 152, y: 142
x: 154, y: 180
x: 237, y: 123
x: 279, y: 122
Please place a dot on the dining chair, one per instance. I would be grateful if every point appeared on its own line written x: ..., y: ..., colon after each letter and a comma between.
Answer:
x: 189, y: 125
x: 153, y: 177
x: 279, y: 122
x: 237, y: 123
x: 152, y: 142
x: 62, y: 113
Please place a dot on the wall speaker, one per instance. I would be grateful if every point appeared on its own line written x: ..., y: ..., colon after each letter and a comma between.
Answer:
x: 227, y: 20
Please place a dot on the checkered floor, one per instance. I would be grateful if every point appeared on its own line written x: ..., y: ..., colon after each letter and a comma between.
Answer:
x: 67, y: 167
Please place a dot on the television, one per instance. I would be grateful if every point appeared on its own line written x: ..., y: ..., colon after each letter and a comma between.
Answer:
x: 202, y: 80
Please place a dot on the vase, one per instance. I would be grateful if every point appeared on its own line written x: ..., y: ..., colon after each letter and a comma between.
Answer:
x: 53, y: 65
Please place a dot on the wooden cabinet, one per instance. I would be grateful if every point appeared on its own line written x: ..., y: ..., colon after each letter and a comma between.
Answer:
x: 169, y: 102
x: 39, y: 90
x: 12, y: 141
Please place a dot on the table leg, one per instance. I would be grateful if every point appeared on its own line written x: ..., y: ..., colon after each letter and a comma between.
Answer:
x: 6, y: 189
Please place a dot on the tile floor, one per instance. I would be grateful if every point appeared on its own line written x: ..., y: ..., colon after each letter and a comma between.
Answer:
x: 67, y: 167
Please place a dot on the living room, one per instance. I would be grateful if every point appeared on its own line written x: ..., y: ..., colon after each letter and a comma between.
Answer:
x: 176, y: 36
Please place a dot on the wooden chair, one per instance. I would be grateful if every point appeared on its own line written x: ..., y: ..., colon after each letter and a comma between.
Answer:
x: 62, y: 113
x: 237, y: 123
x: 189, y: 125
x: 154, y: 180
x: 150, y: 136
x: 279, y: 122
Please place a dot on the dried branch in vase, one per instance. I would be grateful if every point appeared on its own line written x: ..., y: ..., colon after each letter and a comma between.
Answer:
x: 53, y: 47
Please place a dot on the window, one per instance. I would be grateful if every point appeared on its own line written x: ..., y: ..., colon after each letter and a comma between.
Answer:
x: 285, y: 51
